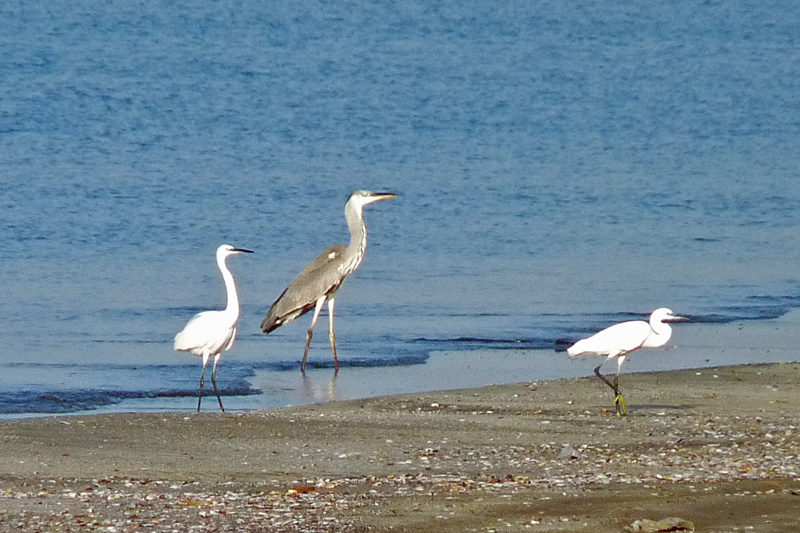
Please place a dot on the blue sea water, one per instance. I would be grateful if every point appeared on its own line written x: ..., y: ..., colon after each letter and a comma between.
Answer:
x: 559, y: 165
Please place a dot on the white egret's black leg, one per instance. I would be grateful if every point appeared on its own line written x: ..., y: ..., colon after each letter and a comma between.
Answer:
x: 605, y: 380
x: 214, y: 382
x: 619, y: 400
x: 202, y: 381
x: 310, y: 333
x: 332, y: 336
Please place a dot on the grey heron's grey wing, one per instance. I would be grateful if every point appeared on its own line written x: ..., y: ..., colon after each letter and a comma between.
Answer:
x: 320, y: 277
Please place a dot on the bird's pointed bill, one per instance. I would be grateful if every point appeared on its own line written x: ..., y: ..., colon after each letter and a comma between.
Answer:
x: 243, y: 251
x: 378, y: 196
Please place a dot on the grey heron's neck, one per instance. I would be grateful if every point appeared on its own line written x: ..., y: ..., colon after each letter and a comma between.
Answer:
x: 358, y: 235
x: 230, y: 287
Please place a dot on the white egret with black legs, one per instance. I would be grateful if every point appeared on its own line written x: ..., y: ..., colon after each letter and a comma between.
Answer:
x: 211, y: 332
x: 619, y: 340
x: 318, y: 282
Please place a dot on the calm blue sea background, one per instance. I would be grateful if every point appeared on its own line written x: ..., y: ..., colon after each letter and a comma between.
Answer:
x: 559, y: 166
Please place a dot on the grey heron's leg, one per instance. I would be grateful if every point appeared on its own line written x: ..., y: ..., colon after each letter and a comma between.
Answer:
x: 332, y: 335
x: 310, y: 334
x: 202, y: 380
x: 214, y: 381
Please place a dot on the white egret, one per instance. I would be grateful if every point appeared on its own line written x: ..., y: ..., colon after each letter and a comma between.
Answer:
x: 619, y: 340
x: 211, y: 332
x: 318, y: 282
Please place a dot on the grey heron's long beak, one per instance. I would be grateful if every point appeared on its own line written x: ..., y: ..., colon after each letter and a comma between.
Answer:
x: 243, y: 251
x: 378, y: 196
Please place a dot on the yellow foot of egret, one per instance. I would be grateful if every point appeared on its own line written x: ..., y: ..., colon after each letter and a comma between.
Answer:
x: 621, y: 405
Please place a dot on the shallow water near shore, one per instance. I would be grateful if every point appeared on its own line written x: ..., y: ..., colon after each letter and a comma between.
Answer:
x: 695, y: 346
x: 559, y: 168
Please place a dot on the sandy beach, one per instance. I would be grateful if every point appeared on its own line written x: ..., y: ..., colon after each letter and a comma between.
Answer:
x: 718, y: 447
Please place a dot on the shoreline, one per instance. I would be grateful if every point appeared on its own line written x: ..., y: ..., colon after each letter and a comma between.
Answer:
x: 547, y: 455
x: 694, y: 345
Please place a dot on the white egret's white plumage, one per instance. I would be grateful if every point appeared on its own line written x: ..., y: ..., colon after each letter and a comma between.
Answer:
x: 619, y: 340
x: 318, y: 282
x: 211, y: 332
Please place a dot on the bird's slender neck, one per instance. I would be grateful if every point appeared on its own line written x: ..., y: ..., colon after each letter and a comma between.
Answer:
x: 660, y: 334
x: 358, y: 235
x: 230, y: 287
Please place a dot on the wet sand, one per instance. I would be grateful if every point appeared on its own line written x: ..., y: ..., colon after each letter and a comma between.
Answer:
x: 719, y: 447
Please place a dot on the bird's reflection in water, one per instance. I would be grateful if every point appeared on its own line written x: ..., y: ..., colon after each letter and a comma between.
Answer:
x: 318, y: 390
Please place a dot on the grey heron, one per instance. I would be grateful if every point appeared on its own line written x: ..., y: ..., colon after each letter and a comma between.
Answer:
x: 318, y: 282
x: 211, y: 332
x: 619, y: 340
